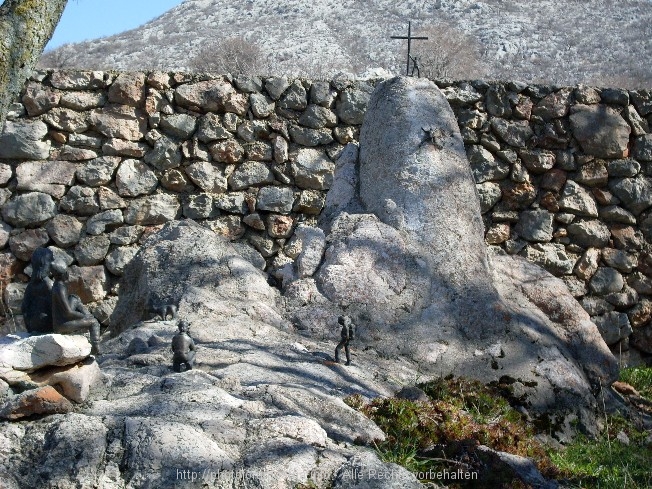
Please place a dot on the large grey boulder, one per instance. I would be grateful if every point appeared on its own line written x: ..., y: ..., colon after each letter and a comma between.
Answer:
x: 600, y: 130
x: 23, y: 140
x: 35, y: 352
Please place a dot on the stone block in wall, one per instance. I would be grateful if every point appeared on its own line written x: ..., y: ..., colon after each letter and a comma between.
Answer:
x: 576, y: 287
x: 67, y: 120
x: 228, y: 226
x: 490, y: 194
x: 176, y: 180
x: 587, y: 265
x: 5, y: 230
x: 31, y: 209
x: 135, y: 178
x: 210, y: 129
x: 122, y: 147
x: 261, y: 105
x: 80, y: 80
x: 593, y: 174
x: 619, y: 259
x: 104, y: 221
x: 254, y: 221
x: 89, y: 283
x: 275, y: 86
x: 639, y: 125
x: 249, y: 174
x: 152, y: 210
x: 38, y: 99
x: 229, y: 151
x: 640, y: 314
x: 577, y: 200
x: 318, y: 117
x: 462, y: 95
x: 23, y: 243
x: 91, y: 250
x: 250, y: 254
x: 126, y: 235
x: 498, y: 101
x: 623, y: 168
x: 613, y: 326
x: 275, y: 199
x: 119, y: 258
x: 49, y: 177
x: 98, y: 171
x: 322, y: 94
x: 258, y: 151
x: 635, y: 193
x: 199, y: 207
x: 166, y: 154
x: 23, y: 141
x: 642, y: 339
x: 84, y: 141
x: 516, y: 196
x: 535, y: 225
x: 484, y: 166
x: 211, y: 96
x: 589, y: 233
x: 181, y: 126
x: 265, y: 245
x: 554, y: 105
x: 294, y: 97
x: 623, y: 300
x: 551, y: 256
x: 233, y: 202
x: 626, y: 237
x: 498, y: 233
x: 310, y: 202
x: 643, y: 148
x: 71, y: 153
x: 352, y: 105
x: 279, y: 226
x: 248, y: 84
x: 586, y: 95
x: 304, y: 136
x: 606, y: 280
x: 5, y: 173
x: 207, y: 176
x: 128, y: 89
x: 83, y: 100
x: 64, y: 230
x: 514, y: 133
x: 119, y: 121
x: 312, y: 169
x: 600, y: 130
x: 642, y: 100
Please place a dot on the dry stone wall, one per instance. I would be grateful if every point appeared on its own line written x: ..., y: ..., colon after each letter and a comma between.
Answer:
x: 93, y: 162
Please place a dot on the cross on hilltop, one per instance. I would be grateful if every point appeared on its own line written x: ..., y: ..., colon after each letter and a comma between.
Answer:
x: 409, y: 38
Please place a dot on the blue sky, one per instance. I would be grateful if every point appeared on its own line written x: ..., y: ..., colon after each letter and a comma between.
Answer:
x: 90, y: 19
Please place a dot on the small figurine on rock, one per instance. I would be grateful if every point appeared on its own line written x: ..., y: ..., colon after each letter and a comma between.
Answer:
x: 69, y: 315
x: 183, y: 348
x: 347, y: 334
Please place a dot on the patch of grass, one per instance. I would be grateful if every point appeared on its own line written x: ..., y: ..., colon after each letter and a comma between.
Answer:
x: 640, y: 378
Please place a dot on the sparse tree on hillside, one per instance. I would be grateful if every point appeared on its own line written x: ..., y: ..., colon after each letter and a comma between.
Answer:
x: 57, y: 59
x: 26, y: 26
x: 233, y: 55
x: 448, y: 54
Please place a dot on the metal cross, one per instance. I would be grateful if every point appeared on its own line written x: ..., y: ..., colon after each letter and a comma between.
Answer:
x: 409, y: 38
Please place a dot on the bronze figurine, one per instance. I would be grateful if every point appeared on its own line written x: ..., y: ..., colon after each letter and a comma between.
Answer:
x: 184, y: 348
x: 347, y: 334
x: 37, y: 301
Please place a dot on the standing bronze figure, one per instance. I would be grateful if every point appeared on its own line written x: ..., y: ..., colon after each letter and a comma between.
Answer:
x: 184, y: 349
x: 347, y: 334
x: 37, y: 301
x: 69, y: 315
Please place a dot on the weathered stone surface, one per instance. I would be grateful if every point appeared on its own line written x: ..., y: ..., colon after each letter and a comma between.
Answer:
x: 490, y: 194
x: 613, y: 213
x: 233, y: 202
x: 39, y: 99
x: 537, y: 161
x: 126, y: 235
x: 351, y: 106
x: 514, y: 133
x: 31, y: 209
x: 23, y: 140
x: 108, y: 199
x: 211, y: 129
x: 122, y: 147
x: 310, y: 202
x: 552, y: 257
x: 211, y: 96
x: 83, y: 100
x: 99, y: 171
x: 535, y: 225
x: 229, y: 227
x: 368, y: 466
x: 249, y: 174
x: 91, y: 250
x: 554, y: 105
x: 176, y: 180
x: 642, y: 339
x: 588, y: 264
x: 85, y: 141
x: 642, y: 100
x: 35, y: 352
x: 635, y: 193
x: 600, y: 130
x: 49, y: 177
x: 254, y: 221
x: 258, y: 151
x: 45, y: 400
x: 75, y: 381
x: 261, y: 105
x: 24, y: 243
x: 135, y: 178
x: 5, y: 230
x: 117, y: 260
x: 70, y: 153
x: 227, y: 151
x: 592, y: 174
x: 275, y: 86
x: 64, y: 230
x: 275, y: 199
x: 119, y: 121
x: 312, y: 169
x: 153, y: 209
x: 128, y: 89
x: 5, y: 173
x: 78, y: 80
x: 613, y: 326
x: 294, y: 97
x: 180, y: 126
x: 484, y: 166
x: 577, y: 200
x: 317, y: 117
x: 589, y: 233
x: 619, y: 259
x: 311, y: 137
x: 165, y: 155
x: 498, y: 233
x: 463, y: 95
x: 67, y: 120
x: 623, y: 167
x: 199, y: 207
x: 104, y: 221
x: 606, y: 281
x: 208, y: 177
x: 89, y: 283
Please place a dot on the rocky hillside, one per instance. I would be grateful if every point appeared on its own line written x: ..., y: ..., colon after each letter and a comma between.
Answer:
x: 598, y: 42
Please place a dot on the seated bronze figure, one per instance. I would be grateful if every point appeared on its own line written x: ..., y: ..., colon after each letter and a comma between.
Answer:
x: 69, y: 315
x: 347, y: 334
x: 184, y: 349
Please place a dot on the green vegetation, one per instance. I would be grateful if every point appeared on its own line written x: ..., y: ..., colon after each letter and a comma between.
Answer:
x: 443, y: 433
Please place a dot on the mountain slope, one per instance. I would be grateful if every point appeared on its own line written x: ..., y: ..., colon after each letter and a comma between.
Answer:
x: 594, y: 42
